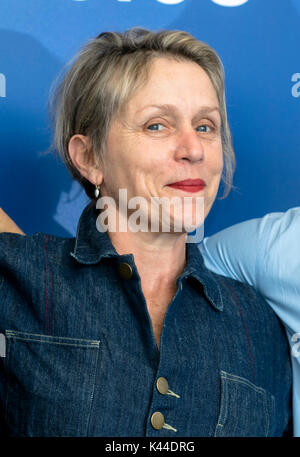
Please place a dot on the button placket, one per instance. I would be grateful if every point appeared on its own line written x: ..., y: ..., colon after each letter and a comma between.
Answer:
x: 157, y: 418
x: 158, y: 422
x: 162, y: 386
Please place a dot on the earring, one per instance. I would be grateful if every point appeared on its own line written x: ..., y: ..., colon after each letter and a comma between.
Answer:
x: 97, y: 190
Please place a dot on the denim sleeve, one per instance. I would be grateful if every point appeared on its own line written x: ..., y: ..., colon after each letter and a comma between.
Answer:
x: 14, y: 255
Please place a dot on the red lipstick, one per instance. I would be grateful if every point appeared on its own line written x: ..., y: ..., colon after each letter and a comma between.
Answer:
x: 189, y: 185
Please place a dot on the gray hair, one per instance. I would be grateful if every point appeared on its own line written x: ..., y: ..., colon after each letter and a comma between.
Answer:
x: 107, y: 71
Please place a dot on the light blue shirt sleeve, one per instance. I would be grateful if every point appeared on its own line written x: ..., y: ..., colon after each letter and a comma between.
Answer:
x: 265, y: 253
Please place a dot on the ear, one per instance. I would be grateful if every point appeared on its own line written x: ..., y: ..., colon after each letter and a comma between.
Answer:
x: 81, y: 154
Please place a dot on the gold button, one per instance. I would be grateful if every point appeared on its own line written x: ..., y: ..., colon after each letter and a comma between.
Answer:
x: 157, y: 420
x: 162, y: 386
x: 125, y: 270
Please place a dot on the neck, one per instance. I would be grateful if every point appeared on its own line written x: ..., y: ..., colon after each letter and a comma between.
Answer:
x: 159, y: 257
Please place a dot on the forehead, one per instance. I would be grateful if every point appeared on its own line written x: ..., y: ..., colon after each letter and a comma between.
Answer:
x: 182, y: 83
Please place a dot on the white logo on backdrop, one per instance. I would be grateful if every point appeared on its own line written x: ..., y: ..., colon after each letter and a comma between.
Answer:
x: 176, y: 2
x: 296, y: 87
x: 170, y: 2
x: 166, y: 2
x: 230, y: 2
x: 2, y: 85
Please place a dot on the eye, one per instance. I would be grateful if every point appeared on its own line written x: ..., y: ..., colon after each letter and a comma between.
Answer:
x: 155, y: 127
x: 204, y: 128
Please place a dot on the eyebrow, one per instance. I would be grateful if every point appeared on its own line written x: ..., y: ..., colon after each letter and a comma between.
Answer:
x: 173, y: 109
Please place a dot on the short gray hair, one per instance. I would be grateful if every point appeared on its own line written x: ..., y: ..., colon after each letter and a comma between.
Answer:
x: 107, y: 71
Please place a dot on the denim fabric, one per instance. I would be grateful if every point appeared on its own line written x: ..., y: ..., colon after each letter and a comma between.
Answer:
x: 81, y: 357
x: 265, y: 253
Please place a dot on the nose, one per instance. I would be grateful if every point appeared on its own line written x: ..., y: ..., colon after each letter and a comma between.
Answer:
x: 189, y: 146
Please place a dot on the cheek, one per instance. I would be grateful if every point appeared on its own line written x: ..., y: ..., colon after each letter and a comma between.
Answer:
x: 215, y: 162
x: 215, y: 169
x: 218, y: 156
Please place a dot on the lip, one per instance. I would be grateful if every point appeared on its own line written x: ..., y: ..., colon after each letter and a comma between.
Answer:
x: 189, y: 185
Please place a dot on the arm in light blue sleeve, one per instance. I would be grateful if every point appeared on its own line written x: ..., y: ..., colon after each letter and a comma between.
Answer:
x: 233, y: 252
x: 265, y: 253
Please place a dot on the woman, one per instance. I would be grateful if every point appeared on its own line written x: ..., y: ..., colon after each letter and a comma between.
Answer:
x: 125, y: 332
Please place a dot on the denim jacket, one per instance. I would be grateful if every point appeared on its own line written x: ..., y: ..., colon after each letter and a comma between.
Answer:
x: 79, y: 357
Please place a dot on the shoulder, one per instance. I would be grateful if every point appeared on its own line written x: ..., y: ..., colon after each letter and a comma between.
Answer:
x: 256, y: 250
x: 279, y: 255
x: 282, y: 230
x: 248, y: 233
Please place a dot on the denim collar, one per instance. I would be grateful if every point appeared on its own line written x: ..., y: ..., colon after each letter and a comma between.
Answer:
x: 195, y: 268
x: 91, y: 246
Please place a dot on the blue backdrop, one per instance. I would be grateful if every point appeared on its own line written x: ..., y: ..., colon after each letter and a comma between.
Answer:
x: 258, y: 41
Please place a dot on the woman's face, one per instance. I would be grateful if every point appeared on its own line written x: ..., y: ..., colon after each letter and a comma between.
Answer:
x: 169, y: 132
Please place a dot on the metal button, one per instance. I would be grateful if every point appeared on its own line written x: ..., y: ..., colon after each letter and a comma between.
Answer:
x: 162, y: 386
x: 125, y: 270
x: 157, y: 420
